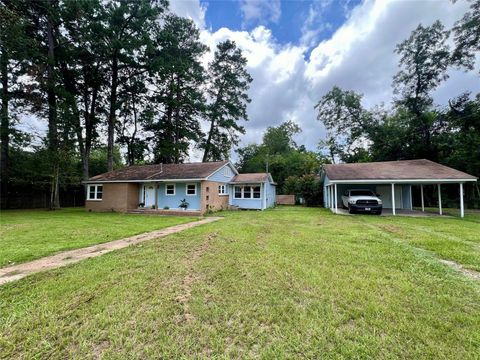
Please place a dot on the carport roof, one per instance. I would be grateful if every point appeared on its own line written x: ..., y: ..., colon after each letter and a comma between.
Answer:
x: 403, y: 170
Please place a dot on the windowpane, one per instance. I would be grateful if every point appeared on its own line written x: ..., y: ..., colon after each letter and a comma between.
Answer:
x: 91, y: 193
x: 256, y: 192
x: 191, y: 189
x: 170, y: 189
x: 222, y: 190
x: 238, y: 192
x: 247, y: 192
x: 99, y: 192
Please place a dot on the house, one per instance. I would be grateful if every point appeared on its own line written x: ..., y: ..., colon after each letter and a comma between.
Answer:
x: 207, y: 186
x: 392, y: 180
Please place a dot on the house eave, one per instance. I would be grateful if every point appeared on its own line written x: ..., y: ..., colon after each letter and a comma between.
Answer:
x: 401, y: 181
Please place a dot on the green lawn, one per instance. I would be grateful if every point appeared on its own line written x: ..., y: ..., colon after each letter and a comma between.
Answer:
x: 284, y: 283
x: 30, y: 234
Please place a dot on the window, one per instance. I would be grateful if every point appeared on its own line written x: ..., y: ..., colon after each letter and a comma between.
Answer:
x: 247, y: 192
x: 222, y: 190
x: 226, y: 171
x: 238, y: 192
x: 95, y: 192
x: 191, y: 189
x: 170, y: 189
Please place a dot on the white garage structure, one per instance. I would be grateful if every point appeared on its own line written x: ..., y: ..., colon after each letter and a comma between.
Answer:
x: 392, y: 180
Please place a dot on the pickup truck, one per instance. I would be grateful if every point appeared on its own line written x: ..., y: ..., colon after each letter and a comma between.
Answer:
x: 361, y: 200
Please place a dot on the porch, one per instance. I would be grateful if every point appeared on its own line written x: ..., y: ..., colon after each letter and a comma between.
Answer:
x: 164, y: 212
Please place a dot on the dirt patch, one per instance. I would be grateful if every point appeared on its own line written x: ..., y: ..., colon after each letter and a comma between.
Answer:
x: 390, y: 228
x: 15, y: 272
x: 467, y: 272
x: 190, y: 278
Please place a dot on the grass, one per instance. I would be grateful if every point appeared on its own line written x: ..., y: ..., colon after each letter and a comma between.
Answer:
x: 284, y: 283
x: 26, y: 235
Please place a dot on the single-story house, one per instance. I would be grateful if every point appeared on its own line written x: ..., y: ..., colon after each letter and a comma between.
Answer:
x: 392, y: 180
x: 207, y: 186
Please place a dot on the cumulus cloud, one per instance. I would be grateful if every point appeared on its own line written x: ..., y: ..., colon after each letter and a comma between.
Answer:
x: 191, y: 9
x: 260, y: 11
x: 359, y: 56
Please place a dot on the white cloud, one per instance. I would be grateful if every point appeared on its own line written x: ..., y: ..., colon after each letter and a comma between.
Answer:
x: 261, y: 11
x: 191, y: 9
x: 359, y: 56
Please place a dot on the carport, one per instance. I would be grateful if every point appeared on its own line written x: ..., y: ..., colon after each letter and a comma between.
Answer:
x: 392, y: 181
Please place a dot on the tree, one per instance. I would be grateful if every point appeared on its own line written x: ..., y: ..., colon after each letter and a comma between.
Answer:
x: 467, y: 37
x: 279, y: 154
x: 345, y: 119
x: 127, y: 34
x: 177, y: 102
x: 229, y: 81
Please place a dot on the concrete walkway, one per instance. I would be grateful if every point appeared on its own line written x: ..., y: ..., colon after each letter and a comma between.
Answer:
x: 16, y: 272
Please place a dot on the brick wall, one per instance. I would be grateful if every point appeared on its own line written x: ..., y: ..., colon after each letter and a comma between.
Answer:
x: 116, y: 197
x: 211, y: 200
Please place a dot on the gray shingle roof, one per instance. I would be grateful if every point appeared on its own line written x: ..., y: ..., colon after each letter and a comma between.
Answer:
x: 161, y: 172
x: 394, y: 170
x: 250, y: 177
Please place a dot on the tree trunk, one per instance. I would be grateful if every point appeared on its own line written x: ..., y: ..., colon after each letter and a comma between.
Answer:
x: 209, y: 140
x: 52, y: 117
x: 4, y: 132
x: 112, y: 113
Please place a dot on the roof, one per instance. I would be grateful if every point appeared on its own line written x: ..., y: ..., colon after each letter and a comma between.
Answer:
x: 420, y: 169
x: 161, y: 172
x: 251, y: 178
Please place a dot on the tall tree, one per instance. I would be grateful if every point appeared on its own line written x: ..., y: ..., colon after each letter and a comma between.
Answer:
x: 424, y: 59
x: 467, y: 37
x: 127, y: 34
x: 345, y: 119
x: 178, y: 101
x: 229, y: 81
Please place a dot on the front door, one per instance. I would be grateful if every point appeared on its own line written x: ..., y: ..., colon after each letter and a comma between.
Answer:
x: 149, y: 195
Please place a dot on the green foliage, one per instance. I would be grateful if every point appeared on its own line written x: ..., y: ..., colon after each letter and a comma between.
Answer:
x: 467, y: 37
x: 228, y: 82
x: 280, y: 155
x: 308, y: 188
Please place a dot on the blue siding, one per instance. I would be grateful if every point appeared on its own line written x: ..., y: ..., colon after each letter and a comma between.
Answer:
x: 173, y: 201
x: 180, y: 193
x: 271, y: 194
x: 219, y: 175
x: 268, y: 198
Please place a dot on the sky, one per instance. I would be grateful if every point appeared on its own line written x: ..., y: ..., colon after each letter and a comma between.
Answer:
x: 299, y: 50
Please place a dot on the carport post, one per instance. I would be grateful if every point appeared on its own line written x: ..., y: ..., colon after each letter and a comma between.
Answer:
x: 462, y: 213
x: 330, y: 197
x: 439, y: 200
x: 421, y: 193
x: 336, y: 206
x: 393, y: 199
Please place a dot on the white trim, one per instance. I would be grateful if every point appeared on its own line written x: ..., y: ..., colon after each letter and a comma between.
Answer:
x: 174, y: 189
x: 242, y: 192
x: 440, y: 200
x: 462, y: 211
x: 336, y: 199
x: 423, y: 202
x: 142, y: 181
x: 393, y: 199
x: 411, y: 202
x: 221, y: 167
x: 186, y: 189
x: 225, y: 190
x: 95, y: 191
x: 406, y: 181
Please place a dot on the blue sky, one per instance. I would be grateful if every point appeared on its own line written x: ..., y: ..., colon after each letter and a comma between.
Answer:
x: 287, y: 20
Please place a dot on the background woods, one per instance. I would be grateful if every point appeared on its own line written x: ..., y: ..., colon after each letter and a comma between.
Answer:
x: 115, y: 82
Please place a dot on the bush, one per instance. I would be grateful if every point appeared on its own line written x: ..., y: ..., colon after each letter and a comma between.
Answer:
x: 307, y: 188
